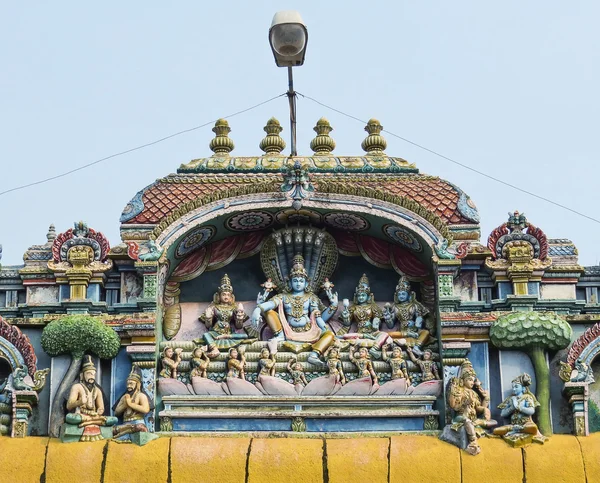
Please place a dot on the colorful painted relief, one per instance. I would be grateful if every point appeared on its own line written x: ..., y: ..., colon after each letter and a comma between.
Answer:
x: 318, y: 294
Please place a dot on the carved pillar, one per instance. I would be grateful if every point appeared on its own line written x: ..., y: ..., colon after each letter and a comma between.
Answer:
x: 150, y: 279
x: 577, y: 393
x: 23, y: 403
x: 446, y: 272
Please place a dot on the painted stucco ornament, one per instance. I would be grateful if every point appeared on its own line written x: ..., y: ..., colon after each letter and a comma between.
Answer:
x: 471, y: 416
x: 85, y: 420
x: 221, y: 314
x: 132, y: 407
x: 520, y: 408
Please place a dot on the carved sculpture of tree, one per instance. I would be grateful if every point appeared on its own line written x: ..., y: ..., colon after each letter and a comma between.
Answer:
x: 534, y: 333
x: 75, y: 335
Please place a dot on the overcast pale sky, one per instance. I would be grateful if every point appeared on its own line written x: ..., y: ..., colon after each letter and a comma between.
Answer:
x: 509, y: 88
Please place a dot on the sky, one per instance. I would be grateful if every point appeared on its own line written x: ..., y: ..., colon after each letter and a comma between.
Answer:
x: 508, y: 88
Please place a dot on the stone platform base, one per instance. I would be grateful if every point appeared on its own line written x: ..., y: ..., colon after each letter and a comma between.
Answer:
x: 72, y: 433
x: 298, y: 414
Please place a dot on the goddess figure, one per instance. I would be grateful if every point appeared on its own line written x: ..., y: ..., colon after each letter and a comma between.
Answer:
x: 470, y: 403
x: 299, y: 315
x: 219, y: 316
x: 367, y: 315
x: 520, y: 407
x: 411, y: 316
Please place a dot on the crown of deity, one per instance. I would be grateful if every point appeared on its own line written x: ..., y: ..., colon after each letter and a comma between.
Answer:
x: 135, y: 374
x: 363, y: 284
x: 466, y: 370
x: 298, y: 269
x: 225, y: 285
x: 88, y: 363
x: 403, y: 284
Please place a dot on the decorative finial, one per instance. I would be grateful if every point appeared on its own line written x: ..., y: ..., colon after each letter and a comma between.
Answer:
x: 374, y: 143
x: 272, y: 143
x: 323, y: 144
x: 221, y: 145
x: 51, y: 235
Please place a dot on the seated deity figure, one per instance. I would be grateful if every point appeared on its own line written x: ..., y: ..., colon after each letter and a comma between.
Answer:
x: 367, y: 315
x: 429, y: 369
x: 411, y: 316
x: 470, y: 405
x: 132, y: 407
x: 86, y: 404
x: 396, y: 362
x: 219, y: 316
x: 520, y: 407
x: 299, y: 315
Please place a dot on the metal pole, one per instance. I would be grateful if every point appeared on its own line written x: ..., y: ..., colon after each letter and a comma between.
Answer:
x: 291, y: 93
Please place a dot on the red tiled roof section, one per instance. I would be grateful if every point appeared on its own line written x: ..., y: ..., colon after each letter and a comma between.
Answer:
x: 435, y: 194
x: 163, y: 198
x: 432, y: 193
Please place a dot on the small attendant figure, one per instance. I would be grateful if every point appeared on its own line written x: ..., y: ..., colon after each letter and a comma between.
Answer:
x: 334, y: 365
x: 429, y: 370
x: 236, y: 364
x: 170, y: 362
x: 364, y: 364
x: 297, y: 372
x: 266, y: 363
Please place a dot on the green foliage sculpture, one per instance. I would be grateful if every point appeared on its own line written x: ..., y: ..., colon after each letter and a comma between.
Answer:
x: 75, y: 335
x: 534, y: 333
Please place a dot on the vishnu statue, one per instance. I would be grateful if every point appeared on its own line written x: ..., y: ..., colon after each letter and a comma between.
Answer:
x: 367, y: 315
x: 412, y: 317
x: 220, y: 315
x: 86, y: 404
x: 298, y: 315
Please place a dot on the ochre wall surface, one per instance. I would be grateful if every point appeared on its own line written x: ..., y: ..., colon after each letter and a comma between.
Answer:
x: 418, y: 459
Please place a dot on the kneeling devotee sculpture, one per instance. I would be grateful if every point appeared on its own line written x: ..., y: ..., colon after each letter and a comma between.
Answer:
x: 299, y: 315
x: 133, y: 407
x: 86, y: 420
x: 520, y: 407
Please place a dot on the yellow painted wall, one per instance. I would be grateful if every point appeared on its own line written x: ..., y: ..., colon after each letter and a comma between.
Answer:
x: 414, y: 458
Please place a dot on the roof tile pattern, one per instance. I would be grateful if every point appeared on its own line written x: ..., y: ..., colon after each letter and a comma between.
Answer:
x: 167, y: 194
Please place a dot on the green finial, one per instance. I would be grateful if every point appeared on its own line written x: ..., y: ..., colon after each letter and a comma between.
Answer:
x: 272, y: 143
x: 374, y: 143
x: 221, y: 145
x: 322, y: 144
